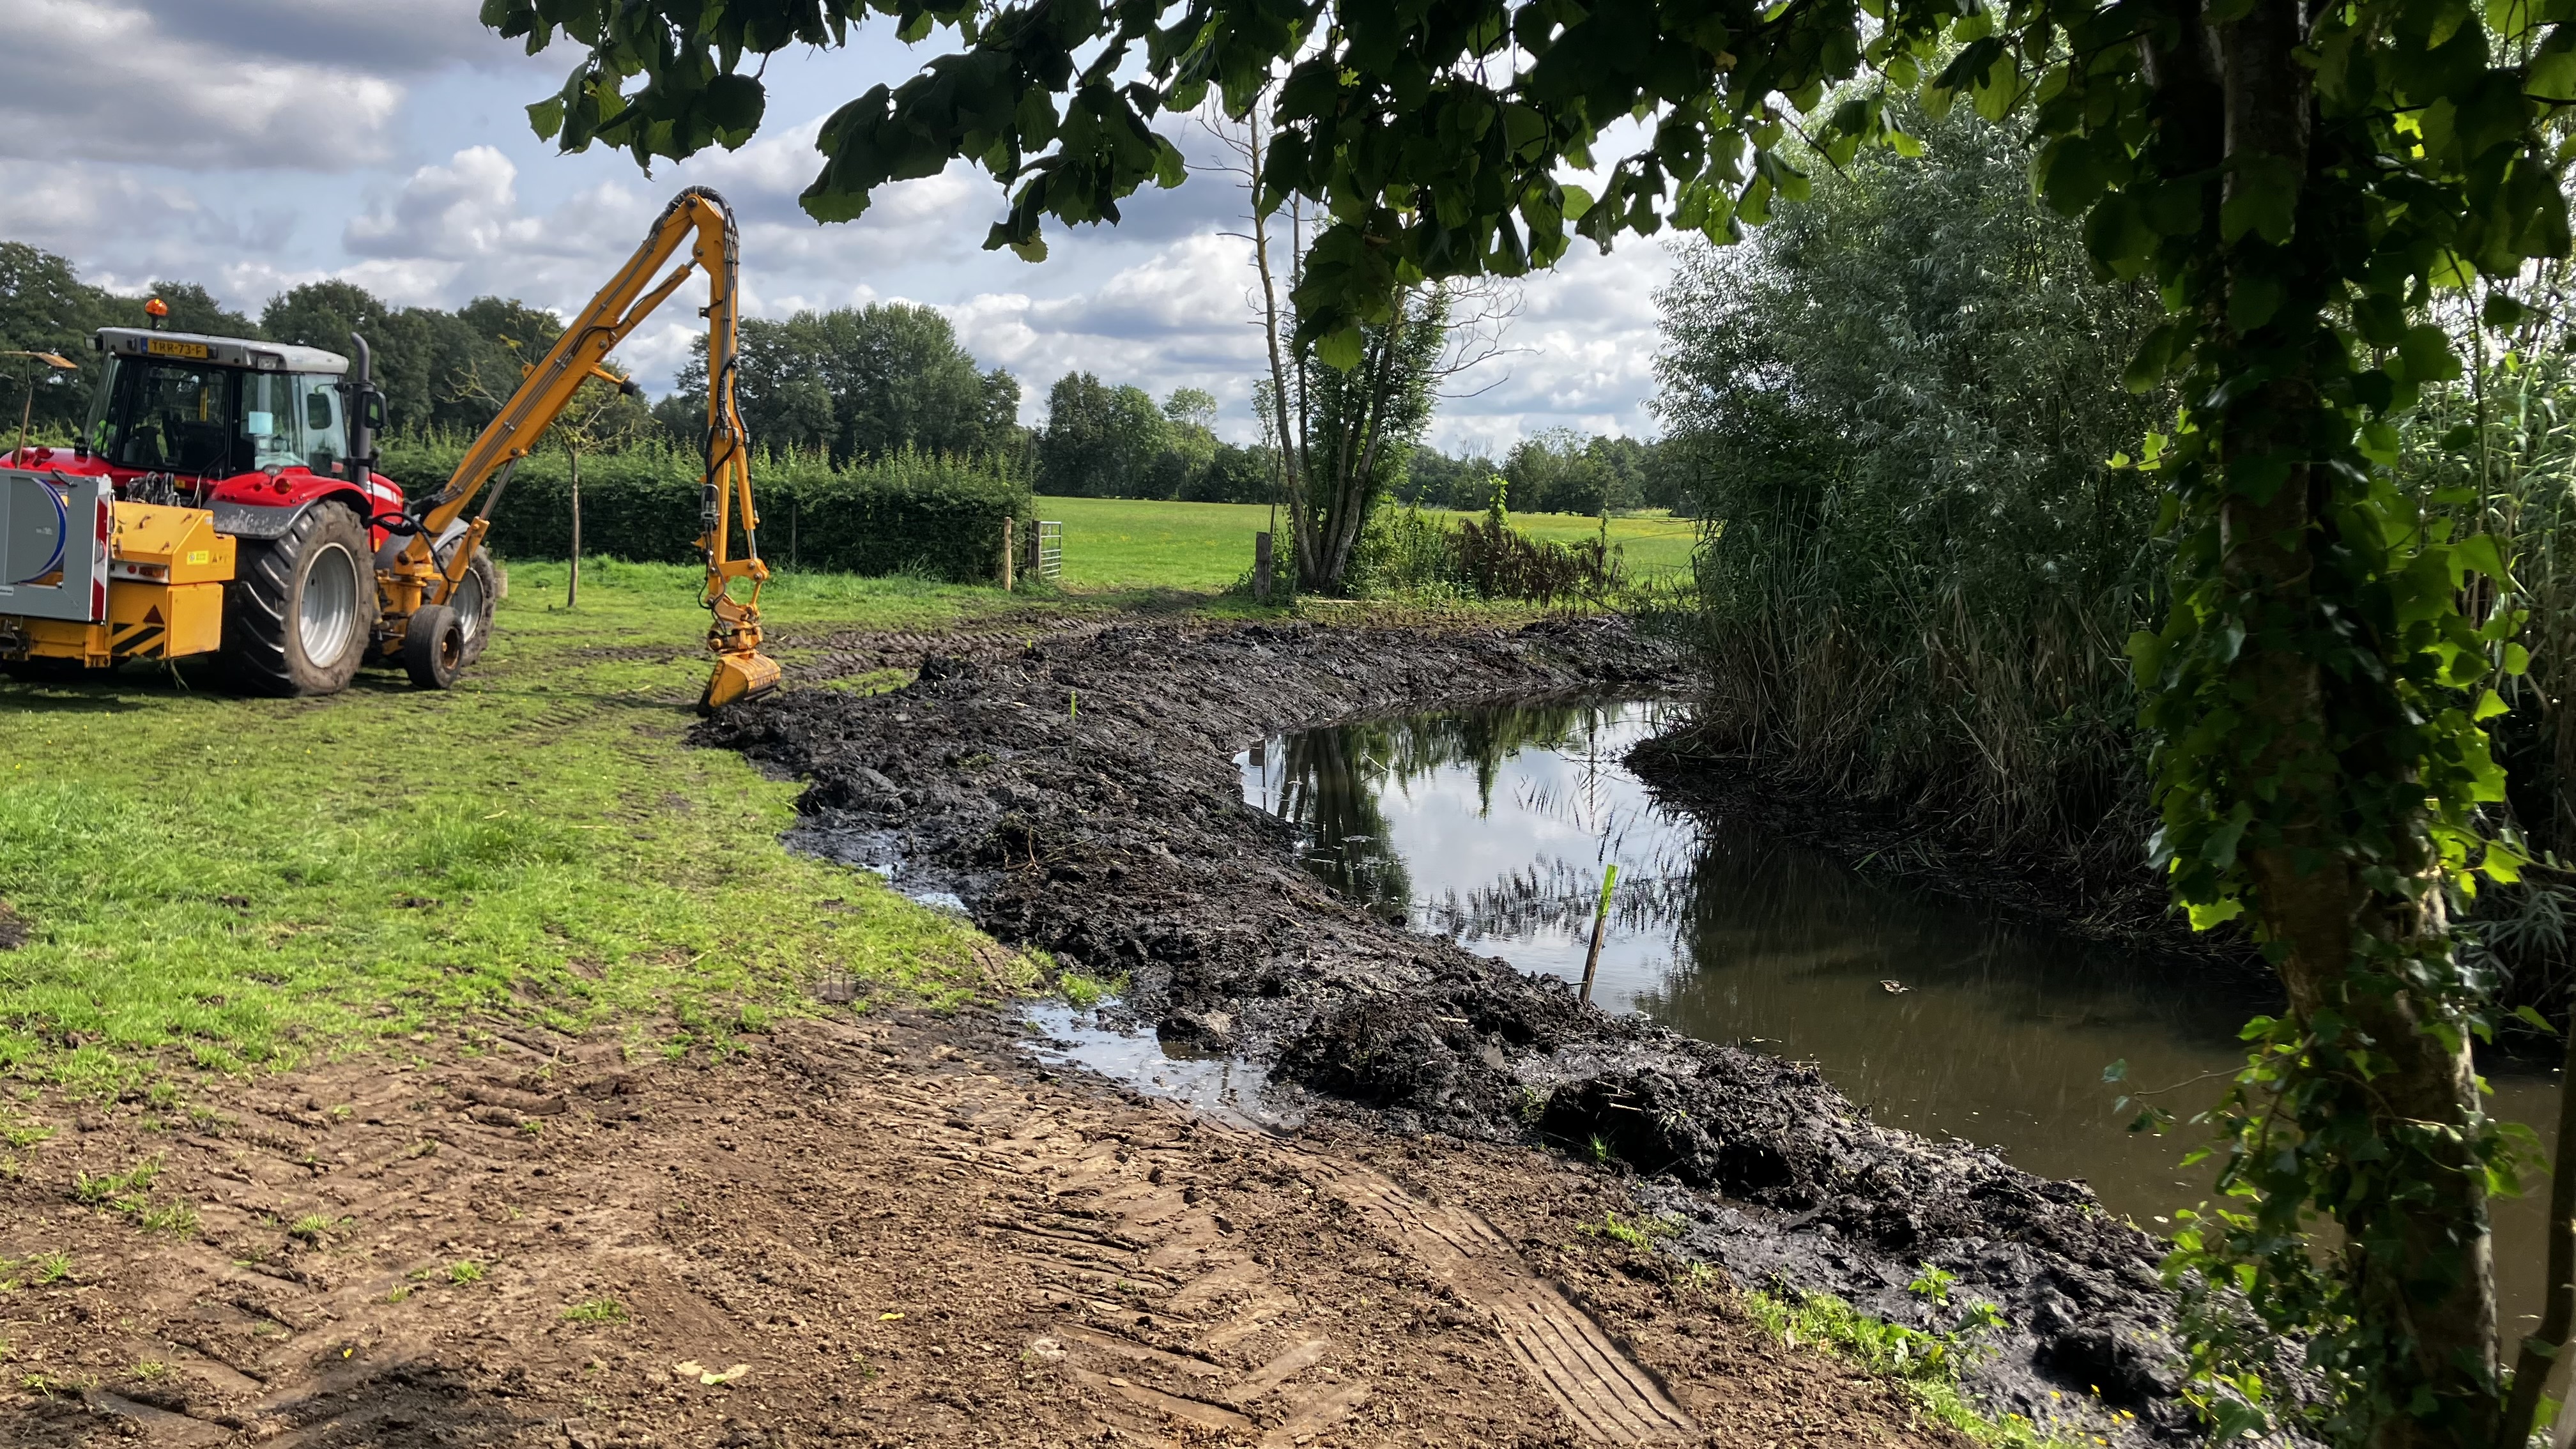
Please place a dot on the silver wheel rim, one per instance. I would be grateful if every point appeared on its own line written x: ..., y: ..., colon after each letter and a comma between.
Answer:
x: 326, y: 618
x: 469, y: 610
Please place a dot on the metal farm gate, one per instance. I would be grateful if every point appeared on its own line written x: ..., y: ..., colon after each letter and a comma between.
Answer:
x: 1050, y: 550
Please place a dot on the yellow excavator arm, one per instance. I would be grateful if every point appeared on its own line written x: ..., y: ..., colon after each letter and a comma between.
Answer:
x: 699, y: 220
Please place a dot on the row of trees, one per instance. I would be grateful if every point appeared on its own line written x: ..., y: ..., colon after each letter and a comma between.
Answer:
x: 1117, y: 442
x: 440, y: 369
x: 849, y: 384
x: 1557, y: 470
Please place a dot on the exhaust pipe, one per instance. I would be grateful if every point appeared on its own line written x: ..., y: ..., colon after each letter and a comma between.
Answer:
x: 362, y: 406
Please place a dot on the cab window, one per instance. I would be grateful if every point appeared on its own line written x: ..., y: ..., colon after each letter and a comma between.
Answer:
x: 326, y: 442
x: 172, y: 418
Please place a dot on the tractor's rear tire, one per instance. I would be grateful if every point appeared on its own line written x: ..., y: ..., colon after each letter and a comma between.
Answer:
x: 300, y: 613
x: 433, y: 651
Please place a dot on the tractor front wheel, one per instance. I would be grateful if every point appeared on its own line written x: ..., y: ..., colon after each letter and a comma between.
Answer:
x: 433, y: 650
x: 301, y: 609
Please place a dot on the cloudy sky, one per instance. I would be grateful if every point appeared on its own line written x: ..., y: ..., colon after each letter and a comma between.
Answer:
x: 254, y: 144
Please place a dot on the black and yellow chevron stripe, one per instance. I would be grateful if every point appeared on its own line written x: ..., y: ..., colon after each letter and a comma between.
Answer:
x: 126, y: 640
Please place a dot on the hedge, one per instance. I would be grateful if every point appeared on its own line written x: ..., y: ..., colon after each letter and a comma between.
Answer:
x: 910, y: 511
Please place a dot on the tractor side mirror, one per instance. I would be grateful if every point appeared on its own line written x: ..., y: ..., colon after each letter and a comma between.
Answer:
x: 371, y: 406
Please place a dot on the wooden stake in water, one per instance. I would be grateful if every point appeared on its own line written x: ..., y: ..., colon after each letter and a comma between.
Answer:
x: 1600, y: 921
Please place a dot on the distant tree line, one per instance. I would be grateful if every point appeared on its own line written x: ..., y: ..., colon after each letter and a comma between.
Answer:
x: 857, y: 383
x: 440, y: 369
x: 1555, y: 471
x: 850, y: 384
x: 1101, y: 441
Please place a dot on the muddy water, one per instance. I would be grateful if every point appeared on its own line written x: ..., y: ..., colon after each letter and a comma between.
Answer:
x: 1493, y: 826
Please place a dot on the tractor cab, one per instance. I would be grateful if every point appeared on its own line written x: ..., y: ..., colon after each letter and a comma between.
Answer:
x: 206, y: 411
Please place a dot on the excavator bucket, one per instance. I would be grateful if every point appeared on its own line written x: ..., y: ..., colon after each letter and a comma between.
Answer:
x: 739, y: 677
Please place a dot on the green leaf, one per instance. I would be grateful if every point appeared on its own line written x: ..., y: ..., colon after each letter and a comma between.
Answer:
x: 2533, y: 1016
x: 2118, y: 1071
x: 2425, y: 353
x: 2477, y: 553
x: 734, y: 103
x: 2154, y: 360
x: 2501, y: 310
x: 546, y: 117
x: 2490, y: 704
x: 2251, y: 302
x: 2517, y: 660
x: 1340, y: 350
x: 2262, y: 197
x: 2203, y: 917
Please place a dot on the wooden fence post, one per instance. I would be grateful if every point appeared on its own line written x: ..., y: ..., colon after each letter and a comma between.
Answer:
x: 1261, y: 568
x: 1009, y: 555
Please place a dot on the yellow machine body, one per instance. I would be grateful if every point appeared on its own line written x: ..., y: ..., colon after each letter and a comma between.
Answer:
x: 165, y: 592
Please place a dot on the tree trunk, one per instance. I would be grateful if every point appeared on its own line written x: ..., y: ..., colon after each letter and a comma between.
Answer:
x: 572, y: 576
x: 2423, y: 1268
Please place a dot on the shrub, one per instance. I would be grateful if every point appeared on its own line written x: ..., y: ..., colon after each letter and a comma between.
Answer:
x: 1407, y: 552
x: 907, y: 511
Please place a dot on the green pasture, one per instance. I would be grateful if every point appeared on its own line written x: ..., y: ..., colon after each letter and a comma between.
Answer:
x: 1112, y: 543
x: 215, y: 884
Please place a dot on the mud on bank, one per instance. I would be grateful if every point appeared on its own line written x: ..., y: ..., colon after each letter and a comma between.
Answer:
x: 1077, y: 794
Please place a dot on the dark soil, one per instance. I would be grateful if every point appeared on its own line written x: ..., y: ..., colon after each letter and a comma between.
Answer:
x: 1079, y: 797
x: 888, y: 1231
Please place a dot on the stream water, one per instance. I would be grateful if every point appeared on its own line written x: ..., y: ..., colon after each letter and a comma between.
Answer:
x: 1493, y: 826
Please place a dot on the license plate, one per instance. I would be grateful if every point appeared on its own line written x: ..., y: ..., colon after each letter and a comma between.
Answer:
x: 167, y: 347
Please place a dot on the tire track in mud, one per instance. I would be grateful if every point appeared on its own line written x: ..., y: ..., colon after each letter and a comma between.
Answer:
x: 903, y: 1237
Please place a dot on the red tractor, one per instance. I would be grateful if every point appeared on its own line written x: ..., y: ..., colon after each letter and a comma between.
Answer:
x: 223, y: 499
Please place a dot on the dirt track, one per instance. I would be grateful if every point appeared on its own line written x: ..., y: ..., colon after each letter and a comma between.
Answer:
x: 889, y: 1233
x: 1077, y: 794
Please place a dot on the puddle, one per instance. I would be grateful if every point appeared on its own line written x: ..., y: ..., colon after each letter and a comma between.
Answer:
x: 1493, y: 827
x: 1220, y: 1086
x: 880, y: 853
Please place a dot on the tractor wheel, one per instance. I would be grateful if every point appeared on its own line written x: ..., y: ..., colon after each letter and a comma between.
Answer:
x: 433, y: 650
x: 300, y: 612
x: 475, y: 594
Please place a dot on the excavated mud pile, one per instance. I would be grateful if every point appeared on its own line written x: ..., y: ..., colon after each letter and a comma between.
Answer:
x: 1078, y: 795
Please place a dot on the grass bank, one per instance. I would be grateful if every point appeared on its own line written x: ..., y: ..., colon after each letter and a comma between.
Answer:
x: 212, y: 884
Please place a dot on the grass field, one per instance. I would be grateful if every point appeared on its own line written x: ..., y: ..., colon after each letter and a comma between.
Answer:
x: 1202, y: 547
x: 213, y: 883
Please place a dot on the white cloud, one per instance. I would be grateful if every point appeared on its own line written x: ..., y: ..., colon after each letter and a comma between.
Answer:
x: 104, y: 81
x: 467, y: 208
x: 185, y: 139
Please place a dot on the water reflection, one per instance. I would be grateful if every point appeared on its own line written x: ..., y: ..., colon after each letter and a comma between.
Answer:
x: 1493, y: 826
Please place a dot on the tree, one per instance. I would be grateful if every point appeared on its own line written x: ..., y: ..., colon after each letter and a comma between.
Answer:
x: 860, y: 382
x: 1189, y: 443
x: 45, y: 307
x: 1340, y: 432
x: 1555, y: 472
x: 600, y: 416
x: 1433, y: 479
x: 194, y: 309
x: 2296, y: 182
x: 1899, y: 399
x: 1233, y: 475
x: 1100, y: 441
